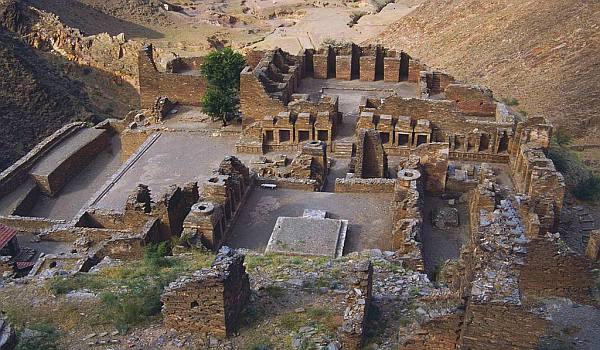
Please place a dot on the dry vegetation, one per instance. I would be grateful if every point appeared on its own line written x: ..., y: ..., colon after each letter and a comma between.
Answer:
x: 543, y: 53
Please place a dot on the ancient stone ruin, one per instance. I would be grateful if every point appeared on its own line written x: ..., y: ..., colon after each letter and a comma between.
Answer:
x: 211, y: 300
x: 342, y: 151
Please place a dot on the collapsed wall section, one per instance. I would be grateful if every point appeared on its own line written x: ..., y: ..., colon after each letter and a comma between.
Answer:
x: 186, y: 89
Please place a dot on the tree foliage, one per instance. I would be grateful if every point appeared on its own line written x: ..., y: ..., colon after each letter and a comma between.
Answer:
x: 222, y: 70
x: 219, y: 103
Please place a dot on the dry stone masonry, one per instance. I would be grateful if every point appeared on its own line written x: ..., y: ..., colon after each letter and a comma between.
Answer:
x: 210, y: 301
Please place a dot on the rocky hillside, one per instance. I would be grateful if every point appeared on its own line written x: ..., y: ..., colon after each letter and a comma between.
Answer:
x: 35, y: 98
x: 41, y: 91
x: 544, y: 53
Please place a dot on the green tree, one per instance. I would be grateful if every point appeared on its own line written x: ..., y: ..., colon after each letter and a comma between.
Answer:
x: 219, y: 103
x: 222, y: 70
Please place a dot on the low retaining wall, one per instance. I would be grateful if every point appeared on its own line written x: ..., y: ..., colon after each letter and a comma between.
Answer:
x: 14, y: 175
x: 356, y: 185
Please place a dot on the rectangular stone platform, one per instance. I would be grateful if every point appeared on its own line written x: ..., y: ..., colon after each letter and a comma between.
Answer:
x: 308, y: 235
x: 68, y: 158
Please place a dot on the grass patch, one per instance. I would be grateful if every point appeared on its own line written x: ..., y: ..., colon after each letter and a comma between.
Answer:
x: 580, y: 180
x: 43, y: 336
x: 588, y: 189
x: 274, y: 291
x: 130, y: 293
x: 321, y: 318
x: 510, y: 101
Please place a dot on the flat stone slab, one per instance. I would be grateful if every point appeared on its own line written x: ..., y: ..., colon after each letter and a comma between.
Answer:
x: 63, y: 151
x: 68, y: 158
x: 308, y: 236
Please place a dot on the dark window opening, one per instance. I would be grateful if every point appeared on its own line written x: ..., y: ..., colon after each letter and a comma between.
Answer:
x: 284, y: 135
x: 421, y: 139
x: 303, y: 135
x: 484, y: 143
x: 385, y: 137
x: 269, y: 136
x: 402, y: 139
x: 503, y: 144
x: 322, y: 135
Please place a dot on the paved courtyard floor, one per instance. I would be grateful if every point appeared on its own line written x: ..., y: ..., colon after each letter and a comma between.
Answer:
x: 369, y: 216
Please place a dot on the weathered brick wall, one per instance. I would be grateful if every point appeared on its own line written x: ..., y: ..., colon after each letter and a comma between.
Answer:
x: 320, y: 64
x: 434, y: 162
x: 255, y: 103
x: 343, y: 67
x: 184, y: 89
x: 414, y: 70
x: 551, y: 270
x: 498, y: 327
x: 367, y: 68
x: 534, y: 174
x: 358, y: 185
x: 29, y: 224
x: 472, y: 99
x: 440, y: 333
x: 210, y: 301
x: 371, y: 161
x: 407, y: 219
x: 391, y: 69
x: 358, y: 300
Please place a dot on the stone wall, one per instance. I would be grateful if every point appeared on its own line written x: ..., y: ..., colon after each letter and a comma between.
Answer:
x: 494, y: 326
x: 371, y: 160
x: 465, y: 134
x: 210, y: 220
x: 255, y: 102
x: 367, y: 63
x: 181, y: 88
x: 552, y: 270
x: 267, y: 87
x: 14, y: 175
x: 68, y: 159
x: 358, y: 185
x: 472, y: 99
x: 407, y: 219
x: 441, y: 333
x: 358, y: 301
x: 210, y: 301
x: 534, y: 174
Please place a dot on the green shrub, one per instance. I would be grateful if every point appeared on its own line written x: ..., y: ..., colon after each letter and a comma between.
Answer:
x: 561, y: 137
x: 560, y: 158
x: 355, y: 17
x: 380, y: 4
x: 588, y: 189
x: 44, y: 336
x: 511, y: 101
x: 155, y: 255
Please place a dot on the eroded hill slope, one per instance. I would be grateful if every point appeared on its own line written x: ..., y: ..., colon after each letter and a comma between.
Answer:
x: 35, y: 99
x: 545, y: 53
